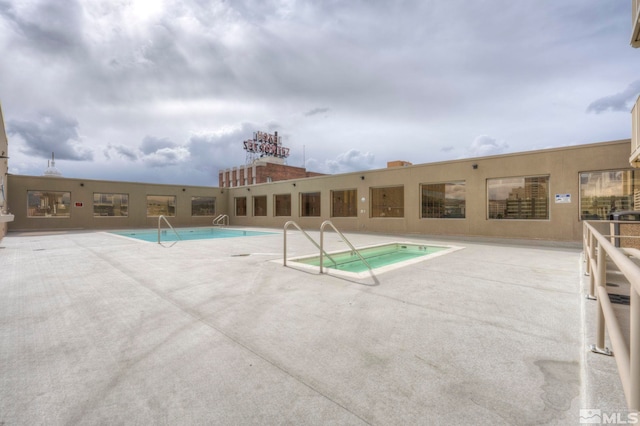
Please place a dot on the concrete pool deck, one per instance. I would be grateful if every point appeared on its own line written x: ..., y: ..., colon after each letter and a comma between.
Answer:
x: 101, y: 329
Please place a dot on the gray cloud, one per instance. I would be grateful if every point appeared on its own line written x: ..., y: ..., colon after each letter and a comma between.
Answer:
x: 167, y: 157
x: 152, y: 144
x: 49, y: 27
x: 122, y: 151
x: 620, y: 101
x: 51, y: 132
x: 193, y: 73
x: 316, y: 111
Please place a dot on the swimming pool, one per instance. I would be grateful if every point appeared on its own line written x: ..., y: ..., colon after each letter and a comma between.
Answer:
x: 167, y: 235
x: 381, y: 258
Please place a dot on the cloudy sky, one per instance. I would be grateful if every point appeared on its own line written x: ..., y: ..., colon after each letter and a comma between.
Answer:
x: 166, y: 91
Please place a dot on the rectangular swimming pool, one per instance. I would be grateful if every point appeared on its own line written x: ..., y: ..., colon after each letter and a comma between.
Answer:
x: 381, y: 258
x: 167, y: 235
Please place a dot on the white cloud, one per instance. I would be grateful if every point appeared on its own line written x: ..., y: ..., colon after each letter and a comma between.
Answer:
x: 484, y: 145
x: 174, y: 84
x: 350, y: 161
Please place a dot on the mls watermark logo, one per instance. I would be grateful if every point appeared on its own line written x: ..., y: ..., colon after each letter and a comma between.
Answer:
x: 594, y: 416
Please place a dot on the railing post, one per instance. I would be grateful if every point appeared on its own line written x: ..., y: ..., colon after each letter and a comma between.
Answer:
x: 321, y: 249
x: 601, y: 281
x: 588, y: 252
x: 634, y: 351
x: 592, y: 255
x: 587, y: 249
x: 284, y: 244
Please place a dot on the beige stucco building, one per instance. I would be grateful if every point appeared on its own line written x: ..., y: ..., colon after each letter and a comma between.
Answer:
x: 5, y: 217
x: 534, y: 195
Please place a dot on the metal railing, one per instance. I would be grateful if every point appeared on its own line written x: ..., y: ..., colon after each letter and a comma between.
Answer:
x: 597, y: 248
x: 160, y: 219
x: 355, y: 250
x: 292, y: 223
x: 221, y: 220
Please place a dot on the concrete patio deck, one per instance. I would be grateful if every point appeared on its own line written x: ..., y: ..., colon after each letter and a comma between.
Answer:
x: 101, y: 329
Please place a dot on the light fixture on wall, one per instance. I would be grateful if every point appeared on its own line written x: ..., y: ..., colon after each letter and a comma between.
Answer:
x: 81, y: 183
x: 294, y: 184
x: 362, y: 177
x: 248, y: 189
x: 183, y: 189
x: 475, y: 166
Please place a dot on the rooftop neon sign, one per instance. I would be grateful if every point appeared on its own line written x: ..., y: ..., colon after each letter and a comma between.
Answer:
x: 267, y: 145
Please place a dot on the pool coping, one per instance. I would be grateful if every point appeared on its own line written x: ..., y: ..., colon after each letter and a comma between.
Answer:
x: 118, y: 233
x: 375, y: 271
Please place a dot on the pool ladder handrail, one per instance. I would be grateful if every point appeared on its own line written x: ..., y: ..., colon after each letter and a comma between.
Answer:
x: 221, y: 220
x: 286, y: 226
x: 160, y: 218
x: 355, y: 250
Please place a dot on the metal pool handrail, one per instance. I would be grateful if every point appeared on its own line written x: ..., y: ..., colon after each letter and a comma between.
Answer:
x: 221, y: 220
x: 596, y: 249
x: 160, y: 218
x: 328, y: 222
x: 286, y: 226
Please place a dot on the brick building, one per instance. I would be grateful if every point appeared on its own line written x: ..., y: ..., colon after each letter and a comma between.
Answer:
x: 263, y: 170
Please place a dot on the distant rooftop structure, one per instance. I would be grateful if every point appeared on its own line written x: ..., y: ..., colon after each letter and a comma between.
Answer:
x: 51, y: 168
x: 398, y: 163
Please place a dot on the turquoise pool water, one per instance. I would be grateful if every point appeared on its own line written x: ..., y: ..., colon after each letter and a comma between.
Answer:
x: 377, y: 257
x: 167, y: 235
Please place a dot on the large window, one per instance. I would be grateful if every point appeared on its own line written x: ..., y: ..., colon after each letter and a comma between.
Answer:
x: 443, y: 200
x: 203, y: 206
x: 241, y: 206
x: 310, y: 204
x: 344, y: 203
x: 105, y: 204
x: 260, y: 205
x: 161, y: 205
x: 48, y: 204
x: 283, y: 204
x: 518, y: 198
x: 602, y: 193
x: 387, y: 202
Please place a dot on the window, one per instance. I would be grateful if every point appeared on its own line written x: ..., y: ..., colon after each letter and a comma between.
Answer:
x: 387, y: 202
x: 443, y: 200
x: 241, y: 206
x: 203, y: 206
x: 283, y: 204
x: 344, y: 203
x: 518, y: 198
x: 114, y: 205
x: 310, y: 204
x: 260, y: 205
x: 606, y: 192
x: 48, y: 204
x: 161, y: 205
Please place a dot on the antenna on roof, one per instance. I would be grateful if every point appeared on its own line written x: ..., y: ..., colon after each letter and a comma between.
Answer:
x: 51, y: 168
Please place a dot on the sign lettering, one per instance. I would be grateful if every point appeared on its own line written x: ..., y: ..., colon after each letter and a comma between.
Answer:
x: 266, y: 144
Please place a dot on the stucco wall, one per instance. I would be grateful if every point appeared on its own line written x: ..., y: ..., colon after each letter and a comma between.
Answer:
x: 82, y: 191
x: 562, y: 165
x: 4, y: 167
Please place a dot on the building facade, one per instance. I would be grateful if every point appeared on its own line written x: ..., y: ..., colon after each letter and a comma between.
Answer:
x: 5, y: 217
x: 530, y: 195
